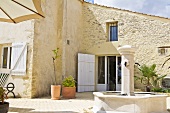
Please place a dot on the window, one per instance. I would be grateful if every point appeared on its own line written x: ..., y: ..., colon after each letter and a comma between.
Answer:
x: 113, y: 32
x: 6, y: 57
x: 14, y: 57
x: 162, y: 51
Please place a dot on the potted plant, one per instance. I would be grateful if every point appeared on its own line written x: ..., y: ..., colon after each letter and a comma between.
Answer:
x: 4, y: 106
x: 68, y: 87
x: 55, y: 89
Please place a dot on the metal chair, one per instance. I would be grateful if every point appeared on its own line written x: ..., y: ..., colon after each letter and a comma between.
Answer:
x: 10, y: 86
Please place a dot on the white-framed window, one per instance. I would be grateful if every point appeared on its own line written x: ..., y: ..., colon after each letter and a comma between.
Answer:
x: 113, y: 31
x: 6, y: 57
x: 14, y: 57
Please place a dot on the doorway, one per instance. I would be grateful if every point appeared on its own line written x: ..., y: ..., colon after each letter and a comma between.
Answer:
x: 109, y: 73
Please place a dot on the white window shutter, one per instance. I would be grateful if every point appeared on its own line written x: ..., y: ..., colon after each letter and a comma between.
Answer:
x: 18, y: 59
x: 86, y: 72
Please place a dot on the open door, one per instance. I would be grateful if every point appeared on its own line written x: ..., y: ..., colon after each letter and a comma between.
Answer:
x: 86, y: 72
x: 109, y: 73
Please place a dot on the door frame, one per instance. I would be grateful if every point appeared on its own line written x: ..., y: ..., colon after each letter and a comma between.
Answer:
x: 103, y: 87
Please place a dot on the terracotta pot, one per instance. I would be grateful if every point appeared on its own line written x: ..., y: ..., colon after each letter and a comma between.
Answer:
x: 69, y: 92
x: 4, y: 107
x: 55, y: 92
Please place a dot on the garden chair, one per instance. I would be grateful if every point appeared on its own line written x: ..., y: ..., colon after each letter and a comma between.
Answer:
x: 3, y: 80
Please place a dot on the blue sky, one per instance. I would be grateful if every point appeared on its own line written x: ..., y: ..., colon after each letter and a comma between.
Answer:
x: 153, y: 7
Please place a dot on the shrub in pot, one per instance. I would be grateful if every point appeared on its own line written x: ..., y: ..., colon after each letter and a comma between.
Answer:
x: 55, y: 89
x: 4, y: 106
x: 68, y: 87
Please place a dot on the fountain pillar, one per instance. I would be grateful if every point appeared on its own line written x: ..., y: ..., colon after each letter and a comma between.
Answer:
x: 127, y: 69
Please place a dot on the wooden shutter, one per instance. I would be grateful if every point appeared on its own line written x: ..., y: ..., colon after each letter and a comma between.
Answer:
x: 86, y: 72
x: 18, y: 58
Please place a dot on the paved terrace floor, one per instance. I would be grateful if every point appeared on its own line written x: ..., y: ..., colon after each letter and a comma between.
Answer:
x: 82, y: 103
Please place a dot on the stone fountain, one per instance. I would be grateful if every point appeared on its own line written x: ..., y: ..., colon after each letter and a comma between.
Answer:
x: 128, y: 101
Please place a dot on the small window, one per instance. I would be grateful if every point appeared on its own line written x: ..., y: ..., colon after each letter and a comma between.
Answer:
x: 6, y: 57
x: 113, y: 32
x: 162, y: 51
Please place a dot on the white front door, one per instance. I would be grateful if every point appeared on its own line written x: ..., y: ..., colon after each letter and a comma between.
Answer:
x: 86, y: 72
x: 109, y: 73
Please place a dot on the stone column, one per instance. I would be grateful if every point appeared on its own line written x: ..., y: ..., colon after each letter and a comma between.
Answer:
x: 127, y: 69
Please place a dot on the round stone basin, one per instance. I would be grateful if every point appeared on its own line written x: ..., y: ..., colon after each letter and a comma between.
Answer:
x: 142, y: 102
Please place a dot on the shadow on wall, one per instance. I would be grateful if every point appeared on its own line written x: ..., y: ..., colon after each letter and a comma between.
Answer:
x: 93, y: 32
x: 138, y: 84
x: 29, y: 110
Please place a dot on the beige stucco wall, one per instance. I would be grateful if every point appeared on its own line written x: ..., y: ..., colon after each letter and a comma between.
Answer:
x: 21, y: 32
x: 144, y: 32
x: 60, y: 28
x: 72, y: 32
x: 48, y: 36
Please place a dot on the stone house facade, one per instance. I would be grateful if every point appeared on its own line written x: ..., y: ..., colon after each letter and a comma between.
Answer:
x: 75, y: 26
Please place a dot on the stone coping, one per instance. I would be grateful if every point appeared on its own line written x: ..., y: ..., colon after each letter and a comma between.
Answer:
x: 143, y: 95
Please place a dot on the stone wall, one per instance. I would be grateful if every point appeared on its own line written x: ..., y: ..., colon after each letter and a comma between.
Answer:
x: 21, y: 32
x: 144, y: 32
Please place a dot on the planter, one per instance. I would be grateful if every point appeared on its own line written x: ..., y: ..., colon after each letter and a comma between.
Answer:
x: 55, y: 92
x: 148, y: 88
x: 4, y: 107
x: 69, y: 92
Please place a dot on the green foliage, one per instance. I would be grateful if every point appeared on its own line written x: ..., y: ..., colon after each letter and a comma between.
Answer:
x: 55, y: 54
x: 167, y: 90
x: 149, y: 77
x: 148, y: 72
x: 158, y: 90
x: 3, y: 95
x: 156, y: 80
x: 163, y: 90
x: 69, y: 82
